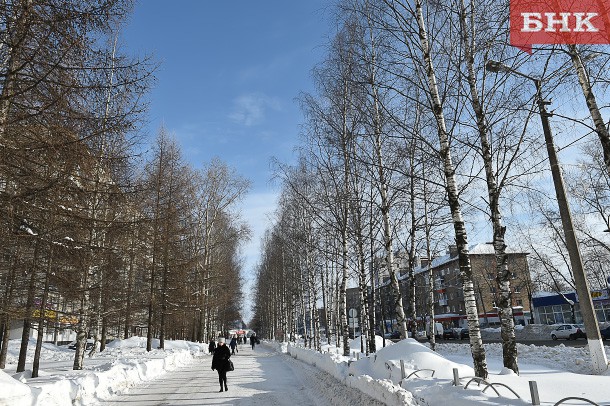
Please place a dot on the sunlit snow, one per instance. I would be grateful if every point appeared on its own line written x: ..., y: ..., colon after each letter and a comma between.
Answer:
x: 558, y: 371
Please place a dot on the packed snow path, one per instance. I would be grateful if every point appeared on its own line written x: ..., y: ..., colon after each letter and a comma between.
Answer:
x: 261, y: 377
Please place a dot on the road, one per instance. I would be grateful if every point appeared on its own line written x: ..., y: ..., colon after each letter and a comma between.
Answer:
x: 549, y: 343
x: 261, y: 377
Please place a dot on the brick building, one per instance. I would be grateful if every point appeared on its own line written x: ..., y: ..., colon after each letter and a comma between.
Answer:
x: 449, y: 305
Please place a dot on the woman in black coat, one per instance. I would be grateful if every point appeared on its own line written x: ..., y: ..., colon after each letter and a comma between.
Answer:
x: 233, y: 345
x: 254, y: 340
x: 212, y: 346
x: 220, y: 362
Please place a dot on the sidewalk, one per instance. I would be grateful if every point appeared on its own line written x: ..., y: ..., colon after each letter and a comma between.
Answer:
x: 261, y: 377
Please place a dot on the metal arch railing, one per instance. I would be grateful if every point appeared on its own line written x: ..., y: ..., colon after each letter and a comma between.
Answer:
x: 576, y: 398
x: 492, y: 386
x: 420, y: 370
x: 476, y: 379
x: 457, y: 378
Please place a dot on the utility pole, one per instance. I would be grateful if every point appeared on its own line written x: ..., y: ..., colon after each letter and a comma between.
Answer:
x: 596, y: 346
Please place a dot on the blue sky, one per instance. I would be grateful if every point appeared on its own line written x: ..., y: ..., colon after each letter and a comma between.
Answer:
x: 226, y: 87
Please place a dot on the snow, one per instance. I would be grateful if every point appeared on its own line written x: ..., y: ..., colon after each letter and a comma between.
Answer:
x: 559, y: 372
x: 125, y: 366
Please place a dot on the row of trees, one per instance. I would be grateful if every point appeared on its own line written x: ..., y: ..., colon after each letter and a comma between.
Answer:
x: 93, y: 236
x: 409, y: 140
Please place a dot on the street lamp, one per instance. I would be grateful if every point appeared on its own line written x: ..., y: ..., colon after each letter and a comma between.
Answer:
x: 596, y: 347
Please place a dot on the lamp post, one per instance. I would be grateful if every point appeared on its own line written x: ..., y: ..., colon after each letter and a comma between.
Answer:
x: 596, y: 347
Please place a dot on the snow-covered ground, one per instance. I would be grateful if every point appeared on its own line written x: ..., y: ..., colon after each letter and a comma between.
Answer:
x: 124, y: 364
x: 558, y: 371
x: 263, y: 377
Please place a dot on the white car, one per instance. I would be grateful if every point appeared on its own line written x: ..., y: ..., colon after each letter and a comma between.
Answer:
x: 569, y: 332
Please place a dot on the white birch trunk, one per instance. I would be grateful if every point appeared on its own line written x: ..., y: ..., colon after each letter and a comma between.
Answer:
x: 412, y: 234
x: 587, y: 91
x: 429, y: 273
x: 83, y: 320
x: 342, y: 293
x: 509, y: 342
x: 461, y: 237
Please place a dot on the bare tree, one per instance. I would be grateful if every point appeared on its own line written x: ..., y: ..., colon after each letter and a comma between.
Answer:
x: 402, y: 14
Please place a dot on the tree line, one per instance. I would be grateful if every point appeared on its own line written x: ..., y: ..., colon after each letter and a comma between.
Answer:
x: 97, y: 235
x: 409, y: 143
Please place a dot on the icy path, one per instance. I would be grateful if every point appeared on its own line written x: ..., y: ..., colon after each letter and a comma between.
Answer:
x: 261, y: 377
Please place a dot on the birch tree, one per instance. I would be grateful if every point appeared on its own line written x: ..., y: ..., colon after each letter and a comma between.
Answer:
x: 584, y: 80
x: 495, y: 179
x: 402, y: 13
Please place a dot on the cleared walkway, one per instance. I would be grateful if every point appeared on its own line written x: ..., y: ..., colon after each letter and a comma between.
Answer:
x: 261, y: 377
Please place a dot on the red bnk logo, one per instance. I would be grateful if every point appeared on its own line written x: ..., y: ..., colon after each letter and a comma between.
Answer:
x: 559, y: 22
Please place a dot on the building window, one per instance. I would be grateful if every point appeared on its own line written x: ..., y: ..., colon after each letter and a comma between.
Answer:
x: 557, y: 314
x: 517, y: 289
x: 492, y: 289
x: 519, y: 302
x: 513, y: 275
x: 490, y: 276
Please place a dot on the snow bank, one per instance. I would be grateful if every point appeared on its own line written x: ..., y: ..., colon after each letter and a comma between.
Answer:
x: 332, y: 363
x: 140, y: 342
x: 355, y: 344
x: 380, y: 376
x: 124, y: 364
x: 382, y: 390
x: 569, y: 359
x: 559, y: 372
x: 386, y: 363
x: 13, y: 391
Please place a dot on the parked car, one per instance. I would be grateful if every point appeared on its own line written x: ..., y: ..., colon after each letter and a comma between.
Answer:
x: 605, y: 333
x: 451, y: 334
x: 393, y: 335
x: 72, y: 345
x: 464, y: 334
x: 438, y: 330
x: 569, y: 332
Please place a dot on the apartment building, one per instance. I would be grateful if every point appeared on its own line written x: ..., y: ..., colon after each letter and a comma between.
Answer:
x: 449, y: 307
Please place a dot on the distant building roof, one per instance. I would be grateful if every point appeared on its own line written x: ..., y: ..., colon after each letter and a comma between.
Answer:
x: 478, y: 249
x: 540, y: 299
x: 488, y: 249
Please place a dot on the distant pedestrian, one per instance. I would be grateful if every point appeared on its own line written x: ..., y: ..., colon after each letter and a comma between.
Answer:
x: 233, y: 345
x: 253, y: 340
x: 221, y: 363
x: 212, y: 345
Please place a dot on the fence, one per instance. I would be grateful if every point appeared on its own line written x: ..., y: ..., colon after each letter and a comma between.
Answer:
x: 480, y: 382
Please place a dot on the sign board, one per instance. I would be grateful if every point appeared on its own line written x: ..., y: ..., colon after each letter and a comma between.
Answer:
x: 559, y: 22
x: 352, y: 312
x: 599, y: 294
x: 352, y: 322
